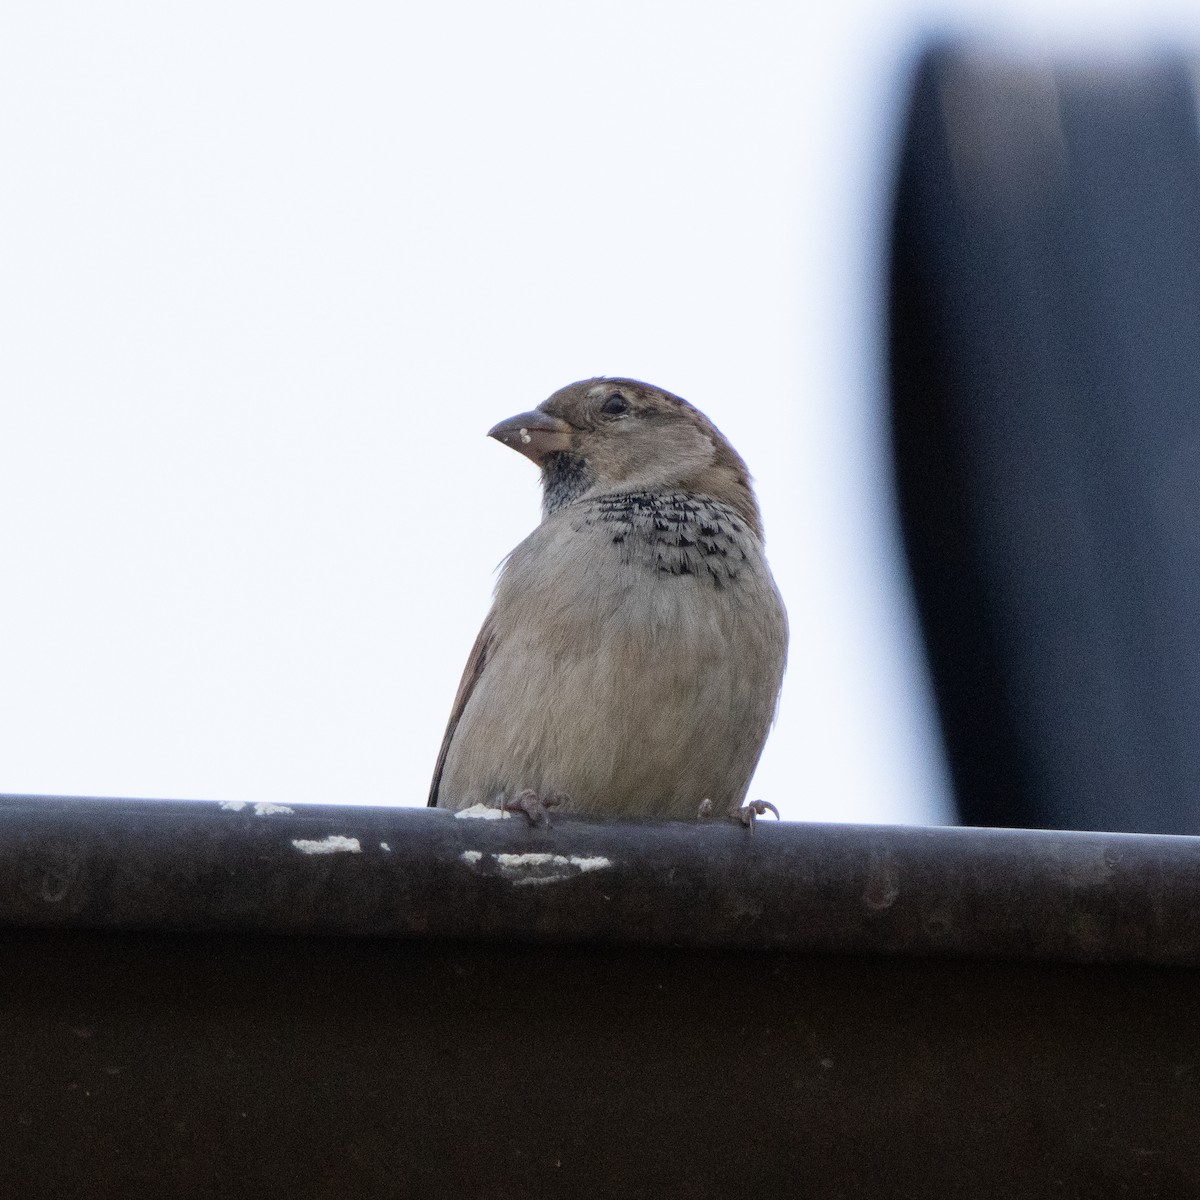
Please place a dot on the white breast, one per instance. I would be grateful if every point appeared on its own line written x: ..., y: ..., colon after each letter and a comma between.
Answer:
x: 632, y: 669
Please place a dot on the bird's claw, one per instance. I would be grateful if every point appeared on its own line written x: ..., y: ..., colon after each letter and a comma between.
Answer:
x: 749, y: 813
x: 746, y: 815
x: 536, y: 810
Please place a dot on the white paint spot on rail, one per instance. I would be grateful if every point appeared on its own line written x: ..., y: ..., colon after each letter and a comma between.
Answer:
x: 482, y: 812
x: 522, y: 870
x: 335, y: 843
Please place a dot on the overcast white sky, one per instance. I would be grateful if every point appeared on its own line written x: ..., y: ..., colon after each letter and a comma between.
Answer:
x: 268, y: 272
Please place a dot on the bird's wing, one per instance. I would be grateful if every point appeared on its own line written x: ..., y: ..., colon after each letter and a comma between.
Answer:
x: 477, y: 660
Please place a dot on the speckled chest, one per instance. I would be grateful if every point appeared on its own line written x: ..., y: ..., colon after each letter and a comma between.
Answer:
x: 674, y: 533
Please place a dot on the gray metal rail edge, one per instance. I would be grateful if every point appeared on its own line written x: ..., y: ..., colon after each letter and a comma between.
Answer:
x: 418, y: 873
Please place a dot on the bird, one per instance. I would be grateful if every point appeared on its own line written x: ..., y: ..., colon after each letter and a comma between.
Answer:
x: 631, y: 663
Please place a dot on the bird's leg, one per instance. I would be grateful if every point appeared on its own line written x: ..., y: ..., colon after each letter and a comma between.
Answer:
x: 534, y: 807
x: 748, y: 813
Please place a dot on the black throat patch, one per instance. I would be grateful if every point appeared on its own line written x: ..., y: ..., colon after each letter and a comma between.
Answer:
x: 565, y: 478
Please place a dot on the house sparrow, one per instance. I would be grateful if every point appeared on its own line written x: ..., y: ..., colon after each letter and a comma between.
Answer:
x: 631, y: 663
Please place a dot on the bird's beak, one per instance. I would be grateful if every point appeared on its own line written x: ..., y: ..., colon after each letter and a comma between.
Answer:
x: 534, y: 434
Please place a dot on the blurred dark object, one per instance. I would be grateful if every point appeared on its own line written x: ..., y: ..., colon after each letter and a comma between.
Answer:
x: 1045, y: 360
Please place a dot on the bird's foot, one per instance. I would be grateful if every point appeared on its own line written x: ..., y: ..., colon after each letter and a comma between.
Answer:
x: 749, y: 813
x: 534, y: 807
x: 746, y: 815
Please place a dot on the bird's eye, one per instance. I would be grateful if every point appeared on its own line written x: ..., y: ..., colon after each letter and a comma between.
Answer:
x: 615, y: 405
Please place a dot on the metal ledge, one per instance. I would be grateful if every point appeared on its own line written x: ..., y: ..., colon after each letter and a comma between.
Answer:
x: 420, y: 873
x: 810, y: 1035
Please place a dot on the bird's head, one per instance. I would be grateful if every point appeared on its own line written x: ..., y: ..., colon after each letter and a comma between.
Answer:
x: 601, y: 436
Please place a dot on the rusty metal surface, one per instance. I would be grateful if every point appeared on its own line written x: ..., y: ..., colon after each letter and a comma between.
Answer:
x: 163, y: 865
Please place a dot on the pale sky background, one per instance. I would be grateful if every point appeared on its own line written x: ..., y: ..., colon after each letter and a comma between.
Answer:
x: 268, y: 273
